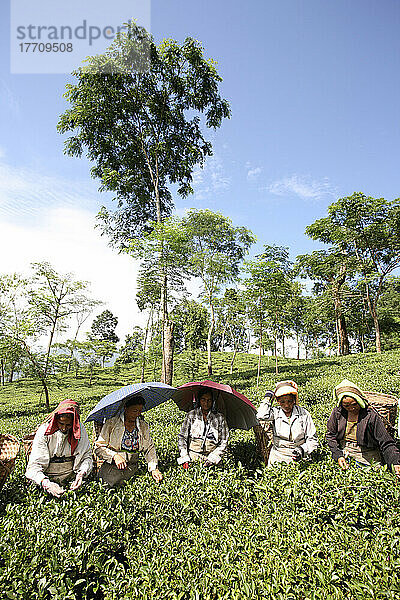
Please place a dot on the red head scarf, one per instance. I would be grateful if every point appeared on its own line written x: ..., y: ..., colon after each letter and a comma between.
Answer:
x: 66, y: 407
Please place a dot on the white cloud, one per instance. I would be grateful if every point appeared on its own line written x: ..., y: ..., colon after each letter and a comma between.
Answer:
x: 211, y: 179
x: 8, y: 99
x: 49, y: 218
x: 67, y: 239
x: 253, y: 173
x: 26, y: 193
x: 302, y: 186
x: 181, y: 212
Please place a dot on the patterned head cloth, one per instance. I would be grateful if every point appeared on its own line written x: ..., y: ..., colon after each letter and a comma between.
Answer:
x: 66, y: 407
x: 286, y: 387
x: 348, y: 388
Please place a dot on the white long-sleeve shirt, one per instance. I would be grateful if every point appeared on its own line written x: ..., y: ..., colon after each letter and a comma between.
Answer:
x: 45, y: 447
x: 298, y: 428
x: 214, y: 429
x: 108, y: 444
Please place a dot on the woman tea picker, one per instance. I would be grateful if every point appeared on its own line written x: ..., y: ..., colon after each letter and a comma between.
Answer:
x: 120, y: 441
x: 355, y: 430
x: 294, y: 434
x: 204, y: 433
x: 60, y: 451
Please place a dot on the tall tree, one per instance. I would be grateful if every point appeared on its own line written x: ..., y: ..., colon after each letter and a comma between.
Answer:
x: 53, y: 299
x: 217, y: 249
x: 191, y: 322
x: 269, y: 289
x: 148, y: 299
x: 103, y: 327
x: 132, y: 350
x: 232, y: 306
x: 164, y: 252
x: 368, y: 229
x: 143, y: 130
x: 329, y: 270
x: 20, y: 326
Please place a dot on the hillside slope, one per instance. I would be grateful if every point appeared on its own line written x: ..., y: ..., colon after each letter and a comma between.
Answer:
x: 242, y: 531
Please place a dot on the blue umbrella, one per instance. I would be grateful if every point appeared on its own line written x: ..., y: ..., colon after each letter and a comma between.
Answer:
x: 154, y: 393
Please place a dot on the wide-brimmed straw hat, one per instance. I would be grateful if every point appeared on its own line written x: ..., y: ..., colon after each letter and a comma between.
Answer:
x: 348, y: 388
x: 286, y: 387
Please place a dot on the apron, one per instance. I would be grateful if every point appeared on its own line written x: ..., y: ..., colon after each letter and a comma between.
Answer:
x: 112, y: 476
x: 361, y: 454
x: 199, y: 450
x: 282, y: 450
x: 60, y: 471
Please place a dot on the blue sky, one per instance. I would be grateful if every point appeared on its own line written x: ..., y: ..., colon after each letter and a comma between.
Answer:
x: 314, y: 92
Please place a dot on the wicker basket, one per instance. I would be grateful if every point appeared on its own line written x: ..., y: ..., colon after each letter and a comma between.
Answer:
x: 386, y: 406
x: 9, y: 448
x: 27, y: 442
x: 263, y: 434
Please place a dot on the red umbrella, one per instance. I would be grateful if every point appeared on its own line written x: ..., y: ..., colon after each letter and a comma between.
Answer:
x: 238, y: 410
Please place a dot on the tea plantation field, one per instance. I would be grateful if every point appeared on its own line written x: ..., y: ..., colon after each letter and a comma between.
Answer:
x: 302, y: 532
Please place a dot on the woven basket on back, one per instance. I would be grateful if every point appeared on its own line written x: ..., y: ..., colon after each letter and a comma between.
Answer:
x: 27, y: 442
x: 9, y: 448
x: 386, y: 406
x: 263, y: 434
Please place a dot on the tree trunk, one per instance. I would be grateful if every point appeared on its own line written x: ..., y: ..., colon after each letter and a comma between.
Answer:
x: 259, y: 355
x: 154, y: 367
x: 344, y: 338
x: 374, y: 315
x: 209, y: 335
x: 298, y: 346
x: 283, y: 346
x: 49, y: 348
x: 144, y: 347
x: 167, y: 341
x: 337, y: 334
x: 362, y: 342
x: 233, y: 359
x: 223, y: 339
x: 2, y: 372
x: 168, y: 358
x: 56, y: 317
x: 248, y: 340
x: 234, y: 352
x: 39, y: 373
x: 11, y: 376
x: 377, y: 330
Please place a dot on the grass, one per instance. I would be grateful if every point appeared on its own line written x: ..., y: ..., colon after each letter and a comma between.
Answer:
x: 291, y: 532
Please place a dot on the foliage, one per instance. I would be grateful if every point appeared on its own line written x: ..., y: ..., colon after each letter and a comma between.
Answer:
x: 142, y: 130
x: 132, y: 350
x: 191, y: 325
x: 307, y: 531
x: 54, y: 298
x: 216, y: 251
x: 368, y: 230
x: 103, y: 327
x: 268, y: 290
x: 164, y: 259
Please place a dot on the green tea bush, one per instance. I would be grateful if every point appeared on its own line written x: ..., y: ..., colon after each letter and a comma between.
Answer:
x: 241, y: 531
